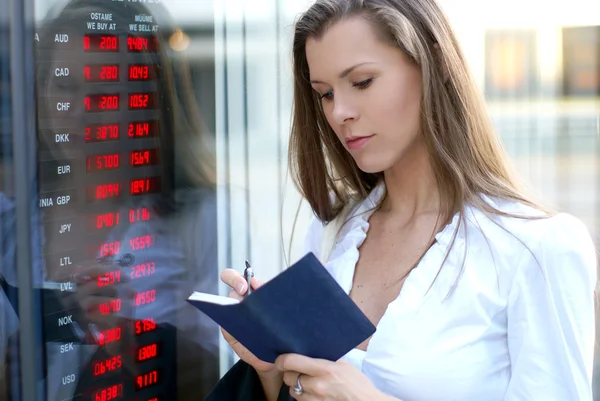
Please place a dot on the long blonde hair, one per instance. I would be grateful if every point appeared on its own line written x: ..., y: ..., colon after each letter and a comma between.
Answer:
x: 466, y: 154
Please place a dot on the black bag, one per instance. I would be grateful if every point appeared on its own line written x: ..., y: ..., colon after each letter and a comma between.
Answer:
x: 241, y: 383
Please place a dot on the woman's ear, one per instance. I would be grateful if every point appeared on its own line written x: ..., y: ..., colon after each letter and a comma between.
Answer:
x: 441, y: 63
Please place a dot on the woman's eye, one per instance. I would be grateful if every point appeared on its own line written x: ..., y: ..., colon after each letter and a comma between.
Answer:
x: 327, y: 95
x: 363, y: 84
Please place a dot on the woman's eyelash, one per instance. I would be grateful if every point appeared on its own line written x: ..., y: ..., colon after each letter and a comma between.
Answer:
x: 359, y: 85
x: 363, y: 84
x: 326, y: 95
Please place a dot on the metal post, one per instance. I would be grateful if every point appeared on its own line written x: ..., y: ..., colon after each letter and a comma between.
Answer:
x: 23, y: 134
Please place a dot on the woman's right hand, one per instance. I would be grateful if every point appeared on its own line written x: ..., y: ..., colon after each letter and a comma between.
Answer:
x: 238, y: 285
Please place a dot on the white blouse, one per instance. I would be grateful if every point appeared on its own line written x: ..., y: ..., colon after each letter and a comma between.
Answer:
x: 518, y: 326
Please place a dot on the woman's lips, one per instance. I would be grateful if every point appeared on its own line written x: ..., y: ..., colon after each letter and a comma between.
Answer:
x: 358, y: 143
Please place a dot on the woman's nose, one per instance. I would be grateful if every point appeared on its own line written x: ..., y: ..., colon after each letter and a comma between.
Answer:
x: 343, y: 111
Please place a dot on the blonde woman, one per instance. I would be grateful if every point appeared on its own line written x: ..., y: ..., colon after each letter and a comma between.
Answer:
x: 478, y: 292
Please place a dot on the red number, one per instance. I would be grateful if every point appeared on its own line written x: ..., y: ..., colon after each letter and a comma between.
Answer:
x: 137, y: 44
x: 107, y: 365
x: 144, y: 326
x: 109, y: 102
x: 139, y: 158
x: 114, y: 305
x: 107, y: 220
x: 144, y: 185
x: 104, y: 162
x: 139, y: 72
x: 142, y: 214
x: 109, y: 278
x: 109, y: 73
x: 104, y: 132
x: 137, y: 130
x: 108, y: 43
x: 146, y: 297
x: 107, y: 191
x: 142, y: 242
x: 110, y: 248
x: 147, y: 352
x: 87, y: 103
x: 109, y: 393
x: 145, y: 269
x: 139, y: 101
x: 109, y: 336
x: 109, y: 161
x: 147, y: 379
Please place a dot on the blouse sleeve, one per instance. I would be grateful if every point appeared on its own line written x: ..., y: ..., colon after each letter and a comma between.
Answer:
x: 551, y: 328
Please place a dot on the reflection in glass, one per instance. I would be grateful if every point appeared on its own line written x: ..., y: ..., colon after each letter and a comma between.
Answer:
x: 9, y: 374
x: 511, y: 68
x: 126, y: 211
x: 581, y: 61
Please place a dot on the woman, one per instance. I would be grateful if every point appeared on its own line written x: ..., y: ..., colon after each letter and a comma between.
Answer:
x: 477, y: 292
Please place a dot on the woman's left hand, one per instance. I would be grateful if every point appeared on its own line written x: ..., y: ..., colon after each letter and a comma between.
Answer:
x: 323, y: 380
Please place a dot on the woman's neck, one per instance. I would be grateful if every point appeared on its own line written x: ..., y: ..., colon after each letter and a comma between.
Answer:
x: 411, y: 185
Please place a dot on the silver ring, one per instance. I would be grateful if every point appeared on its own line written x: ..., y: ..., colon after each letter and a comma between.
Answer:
x: 298, y: 390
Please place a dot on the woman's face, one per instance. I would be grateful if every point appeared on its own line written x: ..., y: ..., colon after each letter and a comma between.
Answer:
x: 370, y: 93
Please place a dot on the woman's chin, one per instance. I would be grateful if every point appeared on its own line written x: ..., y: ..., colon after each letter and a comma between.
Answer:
x: 370, y: 166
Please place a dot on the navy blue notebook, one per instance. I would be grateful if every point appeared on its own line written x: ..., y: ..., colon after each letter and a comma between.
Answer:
x: 303, y: 310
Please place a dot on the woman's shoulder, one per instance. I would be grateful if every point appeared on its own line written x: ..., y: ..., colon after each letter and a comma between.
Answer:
x: 524, y: 233
x: 531, y: 225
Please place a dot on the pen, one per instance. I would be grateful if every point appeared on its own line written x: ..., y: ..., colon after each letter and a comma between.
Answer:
x: 248, y: 274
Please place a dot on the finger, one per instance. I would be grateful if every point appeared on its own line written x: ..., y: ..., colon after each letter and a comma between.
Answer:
x: 308, y: 394
x: 313, y: 387
x: 235, y: 280
x: 290, y: 377
x: 303, y: 364
x: 76, y: 273
x: 256, y: 283
x: 91, y: 270
x: 233, y: 294
x: 228, y: 337
x: 101, y: 275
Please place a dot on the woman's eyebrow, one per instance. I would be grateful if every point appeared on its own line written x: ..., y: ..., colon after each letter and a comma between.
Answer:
x: 344, y: 73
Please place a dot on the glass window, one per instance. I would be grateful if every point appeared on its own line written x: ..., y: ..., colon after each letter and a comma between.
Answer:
x: 126, y: 200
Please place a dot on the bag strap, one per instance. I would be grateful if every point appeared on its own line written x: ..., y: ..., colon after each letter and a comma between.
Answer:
x: 331, y: 231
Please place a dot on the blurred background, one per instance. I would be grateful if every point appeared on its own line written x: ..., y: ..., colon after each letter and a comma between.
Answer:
x: 537, y: 63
